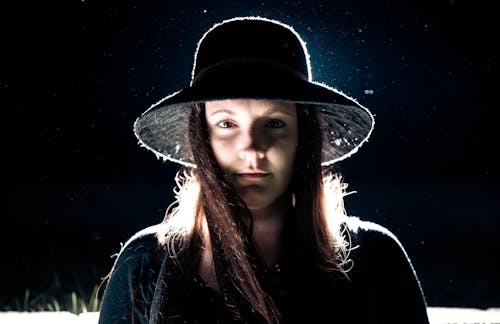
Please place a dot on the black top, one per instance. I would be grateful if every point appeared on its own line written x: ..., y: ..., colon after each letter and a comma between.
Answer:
x: 382, y: 286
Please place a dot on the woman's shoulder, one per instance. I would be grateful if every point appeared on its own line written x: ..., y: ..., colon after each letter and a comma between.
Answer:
x: 130, y: 287
x: 381, y: 263
x: 374, y: 242
x: 145, y: 246
x: 144, y: 241
x: 370, y: 231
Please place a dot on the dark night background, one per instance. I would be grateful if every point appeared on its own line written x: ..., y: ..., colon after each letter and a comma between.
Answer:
x: 78, y: 73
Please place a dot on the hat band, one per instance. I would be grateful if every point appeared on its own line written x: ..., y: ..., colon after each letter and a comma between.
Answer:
x: 234, y: 64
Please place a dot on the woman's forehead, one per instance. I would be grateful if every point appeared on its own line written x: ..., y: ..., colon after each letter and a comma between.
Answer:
x: 235, y: 106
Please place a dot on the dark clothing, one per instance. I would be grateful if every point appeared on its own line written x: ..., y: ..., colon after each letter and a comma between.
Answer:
x: 382, y: 286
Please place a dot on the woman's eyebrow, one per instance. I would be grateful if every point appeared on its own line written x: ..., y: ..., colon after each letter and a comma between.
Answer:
x: 283, y: 110
x: 222, y: 110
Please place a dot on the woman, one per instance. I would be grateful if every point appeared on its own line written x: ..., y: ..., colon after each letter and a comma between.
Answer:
x: 259, y: 233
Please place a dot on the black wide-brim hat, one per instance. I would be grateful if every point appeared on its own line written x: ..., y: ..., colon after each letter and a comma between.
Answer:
x: 253, y: 58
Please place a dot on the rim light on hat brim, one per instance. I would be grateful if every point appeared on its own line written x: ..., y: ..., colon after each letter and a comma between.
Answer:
x: 348, y: 124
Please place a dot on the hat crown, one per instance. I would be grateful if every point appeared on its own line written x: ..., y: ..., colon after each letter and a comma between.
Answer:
x: 253, y: 58
x: 252, y: 39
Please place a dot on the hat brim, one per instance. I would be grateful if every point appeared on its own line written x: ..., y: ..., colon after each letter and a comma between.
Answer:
x: 345, y: 124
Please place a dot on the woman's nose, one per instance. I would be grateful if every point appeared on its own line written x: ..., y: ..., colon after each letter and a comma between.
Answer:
x: 252, y: 146
x: 251, y: 154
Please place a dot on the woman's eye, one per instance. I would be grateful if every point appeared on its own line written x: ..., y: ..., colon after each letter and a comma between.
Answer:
x: 274, y: 123
x: 225, y: 124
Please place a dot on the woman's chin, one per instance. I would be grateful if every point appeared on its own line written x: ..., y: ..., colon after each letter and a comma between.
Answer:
x: 257, y: 203
x: 263, y: 205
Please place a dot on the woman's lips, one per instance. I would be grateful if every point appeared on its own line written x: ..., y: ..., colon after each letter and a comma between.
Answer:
x: 253, y: 175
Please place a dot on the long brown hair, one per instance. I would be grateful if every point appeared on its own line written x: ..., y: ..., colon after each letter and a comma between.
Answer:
x: 229, y: 221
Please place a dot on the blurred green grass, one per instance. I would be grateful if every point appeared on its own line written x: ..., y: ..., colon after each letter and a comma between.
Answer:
x: 77, y: 291
x: 54, y: 267
x: 71, y: 302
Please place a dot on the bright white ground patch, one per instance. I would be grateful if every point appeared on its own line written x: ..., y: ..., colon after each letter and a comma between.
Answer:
x: 445, y: 315
x: 48, y: 318
x: 437, y: 315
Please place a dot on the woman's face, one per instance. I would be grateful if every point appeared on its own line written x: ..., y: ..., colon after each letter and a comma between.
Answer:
x: 255, y: 142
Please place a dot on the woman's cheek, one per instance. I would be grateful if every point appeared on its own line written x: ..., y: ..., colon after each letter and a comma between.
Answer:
x: 222, y: 152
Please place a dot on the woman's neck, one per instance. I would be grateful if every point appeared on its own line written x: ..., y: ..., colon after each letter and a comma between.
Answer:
x: 267, y: 235
x: 267, y: 231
